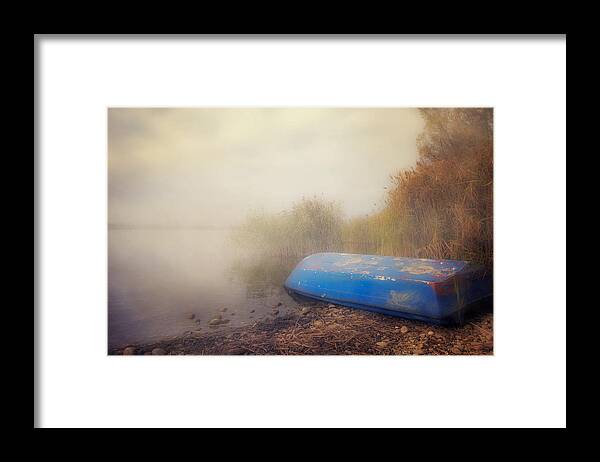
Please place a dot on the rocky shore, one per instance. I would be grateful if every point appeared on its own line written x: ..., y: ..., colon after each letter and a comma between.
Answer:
x: 325, y: 329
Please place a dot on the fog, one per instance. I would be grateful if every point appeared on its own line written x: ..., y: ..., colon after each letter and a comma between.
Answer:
x: 210, y: 167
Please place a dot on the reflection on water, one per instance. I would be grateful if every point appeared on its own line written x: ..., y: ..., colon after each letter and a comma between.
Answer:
x: 158, y: 278
x: 262, y: 277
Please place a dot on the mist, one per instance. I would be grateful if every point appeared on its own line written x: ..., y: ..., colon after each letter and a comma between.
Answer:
x: 211, y: 167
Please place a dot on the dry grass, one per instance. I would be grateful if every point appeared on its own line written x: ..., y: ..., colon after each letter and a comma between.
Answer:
x: 311, y: 226
x: 442, y: 208
x: 319, y: 329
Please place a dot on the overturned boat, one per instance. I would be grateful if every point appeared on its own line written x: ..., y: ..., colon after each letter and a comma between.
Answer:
x: 438, y: 291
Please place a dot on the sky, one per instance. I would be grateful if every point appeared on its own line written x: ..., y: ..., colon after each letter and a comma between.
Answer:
x: 213, y: 166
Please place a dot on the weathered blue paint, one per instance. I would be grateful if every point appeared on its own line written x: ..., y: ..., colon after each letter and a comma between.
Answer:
x: 431, y: 290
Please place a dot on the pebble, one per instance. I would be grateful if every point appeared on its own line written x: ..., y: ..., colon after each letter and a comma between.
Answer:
x: 223, y: 310
x: 191, y: 316
x: 304, y: 311
x: 275, y: 312
x: 430, y: 332
x: 159, y: 351
x: 129, y: 351
x: 404, y: 329
x: 382, y: 344
x: 235, y: 351
x: 252, y: 311
x: 279, y: 304
x: 331, y: 305
x: 318, y: 323
x: 456, y: 351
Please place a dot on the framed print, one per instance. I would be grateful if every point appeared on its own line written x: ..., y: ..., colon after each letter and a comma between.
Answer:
x: 300, y: 232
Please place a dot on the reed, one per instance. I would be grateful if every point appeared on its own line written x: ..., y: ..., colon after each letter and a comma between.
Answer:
x: 312, y: 225
x: 441, y: 208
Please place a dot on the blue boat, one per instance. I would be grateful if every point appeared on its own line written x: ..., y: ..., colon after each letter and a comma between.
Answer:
x: 438, y: 291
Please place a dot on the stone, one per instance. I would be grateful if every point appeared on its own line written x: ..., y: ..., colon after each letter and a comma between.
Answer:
x: 304, y: 311
x: 404, y: 329
x: 331, y: 305
x: 235, y: 351
x: 158, y: 352
x: 252, y: 311
x: 430, y: 332
x: 223, y: 310
x: 191, y: 315
x: 318, y: 323
x: 129, y: 351
x: 217, y: 321
x: 275, y: 312
x: 382, y: 344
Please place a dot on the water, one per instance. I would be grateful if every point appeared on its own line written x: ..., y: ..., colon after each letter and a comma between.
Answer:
x: 158, y: 277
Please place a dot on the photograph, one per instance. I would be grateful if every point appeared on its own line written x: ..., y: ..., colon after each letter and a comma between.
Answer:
x: 265, y: 231
x: 300, y: 231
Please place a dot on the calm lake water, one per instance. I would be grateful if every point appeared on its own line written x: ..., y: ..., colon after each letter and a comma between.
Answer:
x: 157, y: 278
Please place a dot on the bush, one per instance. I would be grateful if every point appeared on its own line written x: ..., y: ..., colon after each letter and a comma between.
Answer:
x: 311, y: 226
x: 441, y: 208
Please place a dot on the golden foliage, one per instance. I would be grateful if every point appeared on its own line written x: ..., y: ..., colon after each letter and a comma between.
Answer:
x: 441, y: 208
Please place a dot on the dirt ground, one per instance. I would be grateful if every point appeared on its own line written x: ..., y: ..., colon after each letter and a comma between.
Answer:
x: 322, y: 329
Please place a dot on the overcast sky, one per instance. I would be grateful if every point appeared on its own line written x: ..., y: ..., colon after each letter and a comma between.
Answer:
x: 213, y: 166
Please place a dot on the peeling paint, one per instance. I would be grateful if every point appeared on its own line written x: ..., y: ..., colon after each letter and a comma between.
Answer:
x: 384, y: 278
x: 352, y: 261
x: 430, y: 289
x: 401, y: 298
x: 424, y: 269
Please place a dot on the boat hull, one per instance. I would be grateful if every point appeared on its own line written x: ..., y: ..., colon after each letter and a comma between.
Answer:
x: 438, y: 291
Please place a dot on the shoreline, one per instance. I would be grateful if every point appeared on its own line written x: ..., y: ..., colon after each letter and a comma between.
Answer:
x: 325, y: 329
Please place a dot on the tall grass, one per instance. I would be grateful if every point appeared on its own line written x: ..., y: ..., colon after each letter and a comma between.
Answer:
x: 441, y: 208
x: 311, y: 225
